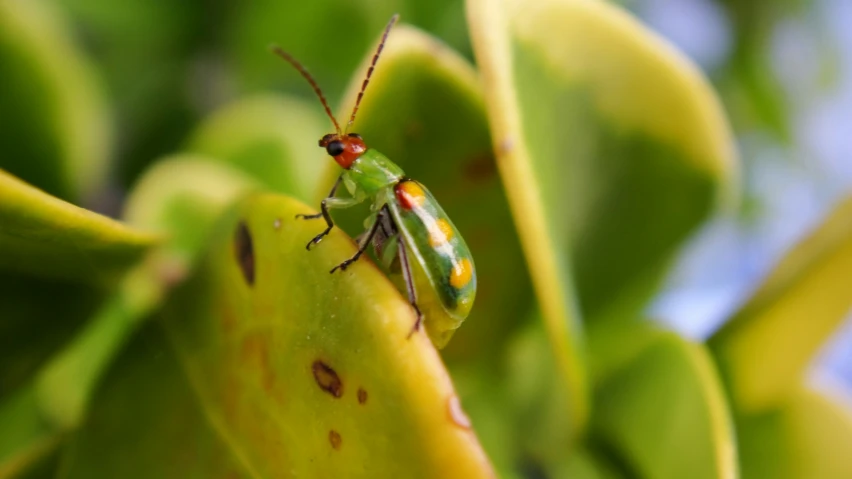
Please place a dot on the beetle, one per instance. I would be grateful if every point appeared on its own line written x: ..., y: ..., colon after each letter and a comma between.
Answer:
x: 406, y: 223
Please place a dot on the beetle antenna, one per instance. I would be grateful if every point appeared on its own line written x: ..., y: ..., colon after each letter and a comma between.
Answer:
x: 304, y: 71
x: 370, y: 70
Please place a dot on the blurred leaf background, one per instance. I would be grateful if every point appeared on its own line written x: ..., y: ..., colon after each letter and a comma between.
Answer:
x: 94, y: 94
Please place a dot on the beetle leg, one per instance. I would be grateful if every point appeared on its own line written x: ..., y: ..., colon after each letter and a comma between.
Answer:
x: 328, y: 204
x: 330, y: 195
x: 409, y: 286
x: 364, y: 243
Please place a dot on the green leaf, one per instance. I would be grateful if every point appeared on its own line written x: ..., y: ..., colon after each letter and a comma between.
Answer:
x: 32, y: 329
x: 312, y: 374
x: 27, y: 436
x: 156, y: 106
x: 182, y: 197
x: 612, y: 145
x: 52, y: 249
x: 612, y: 148
x: 54, y: 130
x: 766, y: 347
x: 809, y: 435
x: 543, y: 431
x: 329, y: 36
x: 271, y: 138
x: 56, y: 399
x: 146, y: 392
x: 669, y: 398
x: 43, y: 236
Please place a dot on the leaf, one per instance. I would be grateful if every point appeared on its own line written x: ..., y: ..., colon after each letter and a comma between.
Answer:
x: 668, y: 398
x: 156, y: 107
x: 612, y: 148
x: 54, y: 130
x: 27, y: 436
x: 56, y: 399
x: 271, y: 138
x: 166, y: 202
x: 807, y: 436
x: 146, y: 391
x: 32, y: 329
x: 182, y: 197
x: 310, y: 374
x: 71, y: 257
x: 47, y: 237
x: 766, y: 347
x: 543, y: 428
x: 330, y: 36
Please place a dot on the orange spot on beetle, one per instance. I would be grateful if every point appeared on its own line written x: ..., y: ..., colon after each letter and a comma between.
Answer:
x: 461, y: 274
x: 410, y: 194
x: 327, y: 378
x: 440, y: 233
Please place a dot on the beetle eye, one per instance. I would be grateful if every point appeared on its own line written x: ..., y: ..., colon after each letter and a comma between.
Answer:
x: 354, y: 135
x: 325, y: 139
x: 334, y: 148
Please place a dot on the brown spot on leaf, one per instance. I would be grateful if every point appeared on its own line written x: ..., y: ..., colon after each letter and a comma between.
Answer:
x: 481, y: 168
x: 244, y: 251
x: 457, y: 414
x: 255, y: 355
x: 327, y: 378
x: 362, y: 396
x: 334, y: 438
x: 228, y: 318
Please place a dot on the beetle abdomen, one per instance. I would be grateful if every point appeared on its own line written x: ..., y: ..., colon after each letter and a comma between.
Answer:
x: 437, y: 245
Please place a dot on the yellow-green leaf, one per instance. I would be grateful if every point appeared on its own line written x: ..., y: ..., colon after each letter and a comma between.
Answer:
x: 310, y: 374
x: 43, y: 236
x: 54, y: 127
x: 808, y: 436
x: 766, y: 347
x: 668, y: 398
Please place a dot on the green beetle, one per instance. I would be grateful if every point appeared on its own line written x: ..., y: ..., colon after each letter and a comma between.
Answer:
x: 406, y: 225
